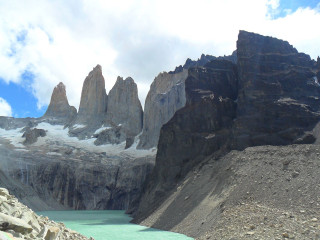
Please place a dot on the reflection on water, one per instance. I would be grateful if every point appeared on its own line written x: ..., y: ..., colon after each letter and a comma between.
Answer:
x: 109, y: 224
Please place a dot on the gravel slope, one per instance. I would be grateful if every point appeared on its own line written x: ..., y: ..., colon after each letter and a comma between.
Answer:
x: 265, y: 192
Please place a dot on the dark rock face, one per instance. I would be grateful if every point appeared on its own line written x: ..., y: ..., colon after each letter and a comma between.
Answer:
x: 203, y: 60
x: 92, y: 186
x: 124, y: 106
x: 32, y: 135
x: 166, y: 96
x: 129, y: 142
x: 93, y: 103
x: 202, y: 127
x: 71, y: 178
x: 59, y: 107
x: 278, y: 95
x: 271, y: 97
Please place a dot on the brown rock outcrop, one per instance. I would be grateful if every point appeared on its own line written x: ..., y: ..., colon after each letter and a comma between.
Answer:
x: 93, y: 103
x: 59, y: 106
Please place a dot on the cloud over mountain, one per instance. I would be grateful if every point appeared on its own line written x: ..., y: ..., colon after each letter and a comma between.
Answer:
x: 5, y: 108
x: 61, y: 41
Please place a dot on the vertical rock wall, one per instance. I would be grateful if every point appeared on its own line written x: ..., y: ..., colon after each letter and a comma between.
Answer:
x: 124, y: 106
x: 165, y: 97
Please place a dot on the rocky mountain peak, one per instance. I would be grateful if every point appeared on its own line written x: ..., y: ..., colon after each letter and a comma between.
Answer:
x: 93, y: 97
x: 59, y: 106
x: 251, y: 43
x: 276, y: 88
x: 124, y: 106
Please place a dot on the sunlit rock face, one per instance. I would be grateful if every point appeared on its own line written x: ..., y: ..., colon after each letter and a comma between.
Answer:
x: 165, y: 97
x: 124, y: 107
x: 20, y: 222
x: 59, y: 107
x: 93, y: 102
x: 197, y: 130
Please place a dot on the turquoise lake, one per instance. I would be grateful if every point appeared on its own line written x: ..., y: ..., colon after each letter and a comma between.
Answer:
x: 104, y: 225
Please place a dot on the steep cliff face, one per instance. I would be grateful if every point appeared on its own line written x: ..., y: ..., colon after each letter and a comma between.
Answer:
x: 93, y: 102
x: 124, y: 106
x: 61, y: 172
x: 278, y: 99
x: 165, y: 97
x: 203, y: 60
x: 59, y: 108
x: 270, y: 97
x: 199, y: 129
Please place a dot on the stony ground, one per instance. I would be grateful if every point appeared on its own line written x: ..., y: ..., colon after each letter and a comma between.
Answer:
x: 17, y: 221
x: 255, y: 221
x: 264, y: 192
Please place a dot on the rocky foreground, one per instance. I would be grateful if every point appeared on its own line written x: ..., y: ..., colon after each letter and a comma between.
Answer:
x: 19, y: 222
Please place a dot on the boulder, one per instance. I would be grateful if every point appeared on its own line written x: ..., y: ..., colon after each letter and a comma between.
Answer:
x: 32, y: 135
x: 129, y: 142
x: 114, y: 135
x: 19, y: 222
x: 52, y: 233
x: 8, y: 222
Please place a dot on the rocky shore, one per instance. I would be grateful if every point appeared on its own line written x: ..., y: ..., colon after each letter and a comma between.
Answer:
x: 17, y: 221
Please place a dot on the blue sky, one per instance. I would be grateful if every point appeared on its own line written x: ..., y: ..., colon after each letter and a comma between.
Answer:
x: 287, y: 6
x: 23, y: 102
x: 40, y: 48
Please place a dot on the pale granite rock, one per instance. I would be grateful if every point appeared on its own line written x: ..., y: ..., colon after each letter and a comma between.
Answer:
x: 93, y: 101
x: 124, y: 106
x: 165, y: 97
x: 59, y: 106
x: 20, y: 222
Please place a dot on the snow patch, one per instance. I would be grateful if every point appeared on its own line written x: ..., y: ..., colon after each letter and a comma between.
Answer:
x: 54, y: 154
x: 21, y: 150
x: 14, y: 136
x: 57, y: 135
x: 316, y: 81
x: 78, y: 126
x: 99, y: 130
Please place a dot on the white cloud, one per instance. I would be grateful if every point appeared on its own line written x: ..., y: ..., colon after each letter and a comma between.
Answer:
x: 5, y: 108
x: 63, y: 40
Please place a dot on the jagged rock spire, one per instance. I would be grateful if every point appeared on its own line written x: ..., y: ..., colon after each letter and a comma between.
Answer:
x: 59, y: 106
x: 124, y: 106
x: 93, y: 97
